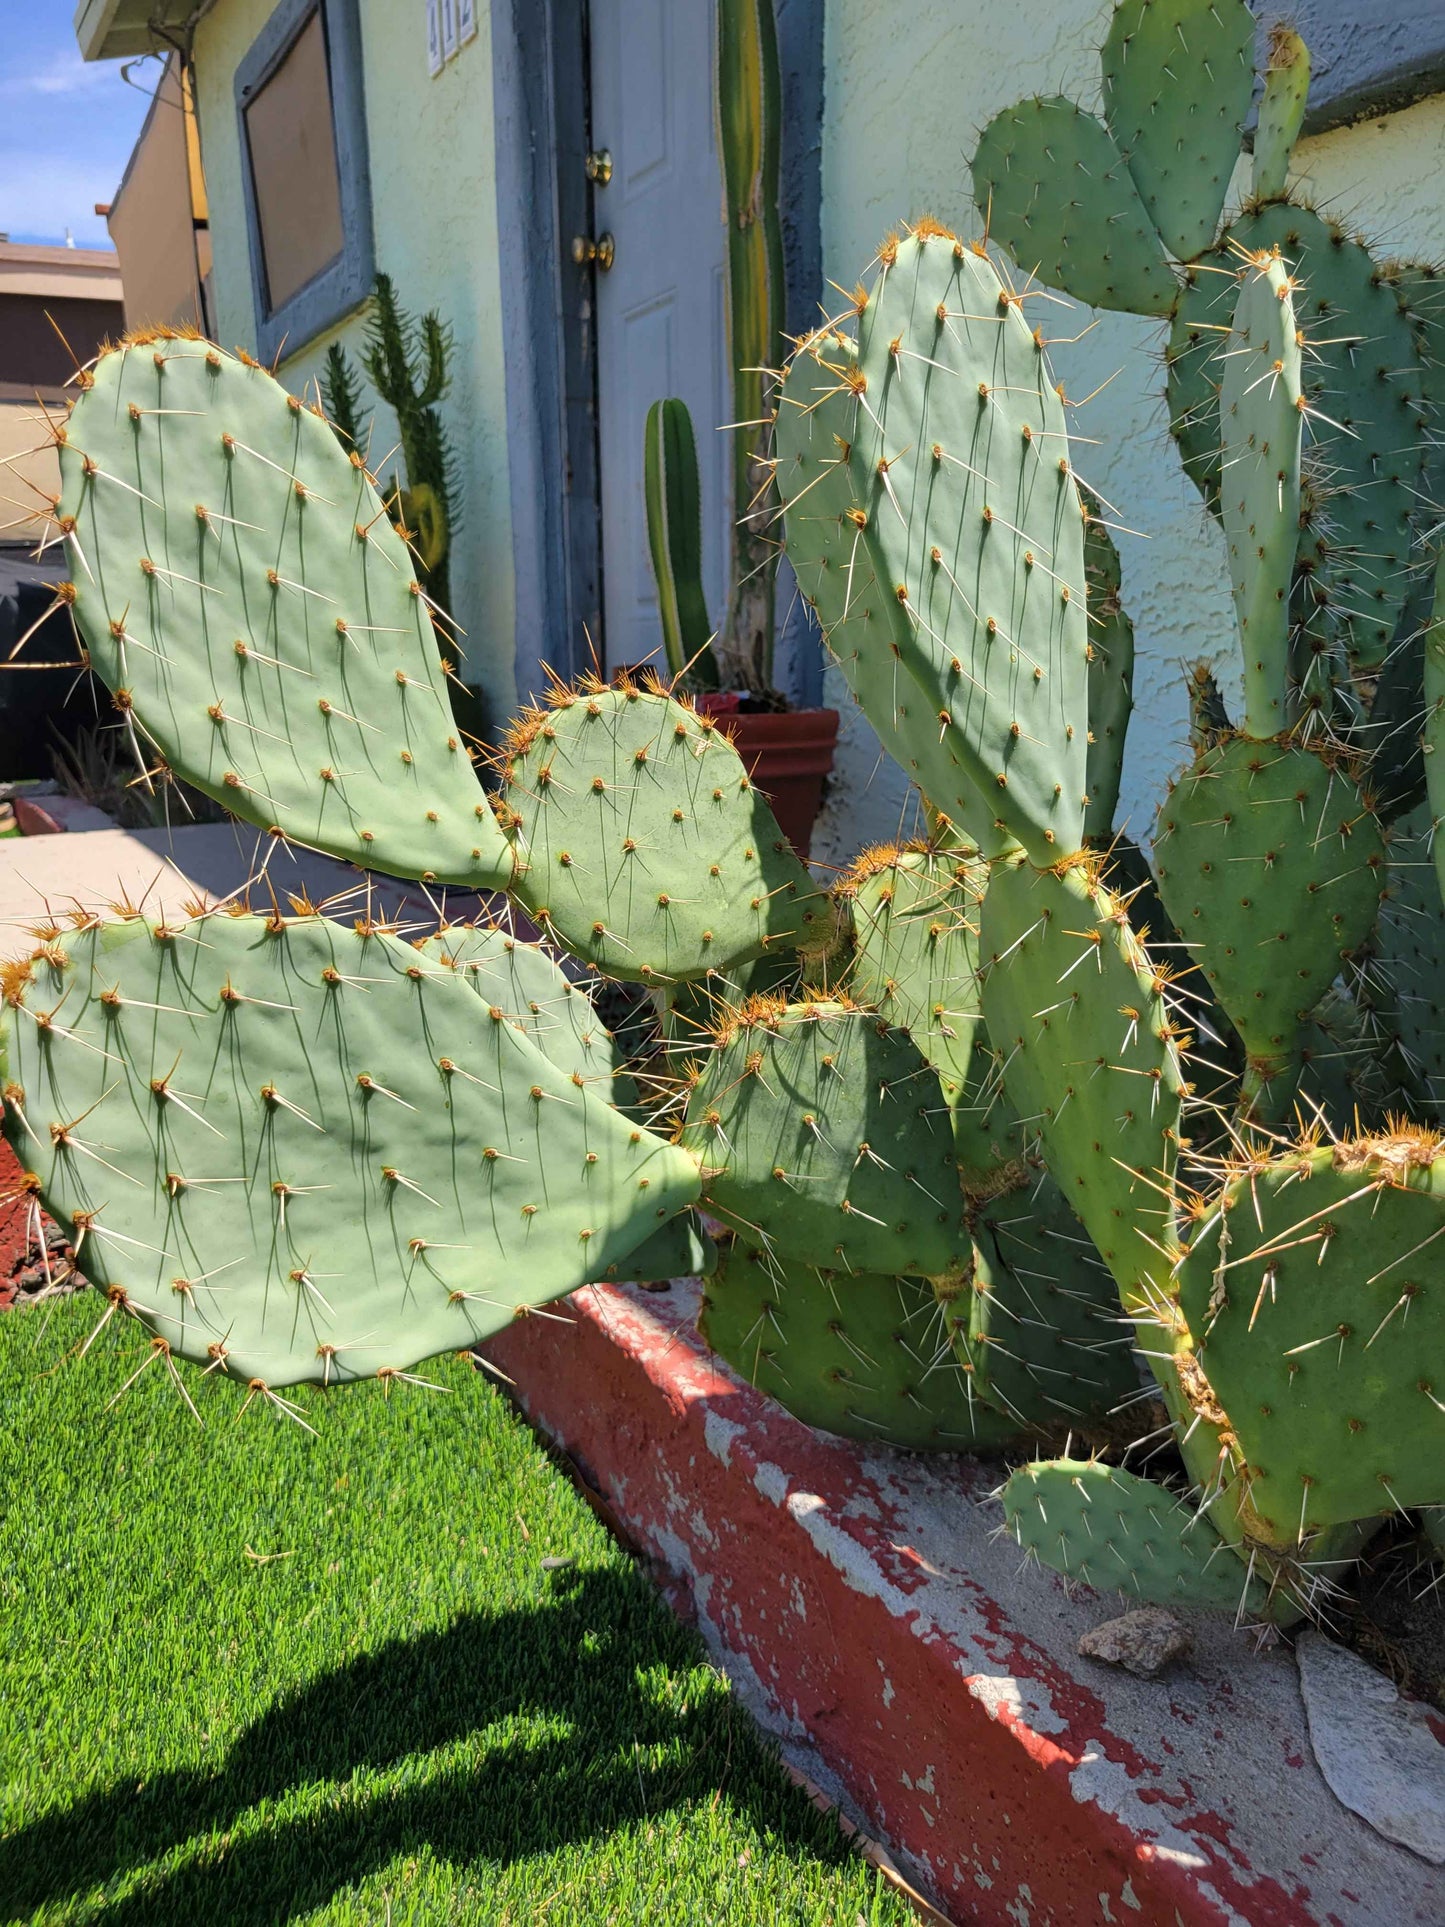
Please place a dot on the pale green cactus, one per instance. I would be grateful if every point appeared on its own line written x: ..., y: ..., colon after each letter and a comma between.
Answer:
x: 951, y: 1112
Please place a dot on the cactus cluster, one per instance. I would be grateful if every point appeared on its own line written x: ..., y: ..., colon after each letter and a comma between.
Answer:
x: 1003, y: 1137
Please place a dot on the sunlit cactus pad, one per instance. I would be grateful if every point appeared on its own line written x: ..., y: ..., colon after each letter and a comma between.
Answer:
x: 826, y: 1139
x: 1178, y: 81
x: 531, y: 990
x: 858, y: 1354
x: 641, y: 843
x: 1058, y: 194
x: 302, y: 1151
x: 240, y: 588
x: 915, y: 921
x: 960, y: 459
x: 1074, y: 1007
x: 1316, y: 1296
x: 1109, y: 1528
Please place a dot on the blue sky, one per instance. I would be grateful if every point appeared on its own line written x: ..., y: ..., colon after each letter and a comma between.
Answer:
x: 66, y: 128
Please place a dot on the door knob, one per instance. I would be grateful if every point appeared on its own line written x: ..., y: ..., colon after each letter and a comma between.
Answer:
x: 599, y: 166
x: 603, y: 251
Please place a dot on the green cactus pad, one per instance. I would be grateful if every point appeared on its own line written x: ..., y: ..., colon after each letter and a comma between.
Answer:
x: 1434, y: 723
x: 681, y: 1248
x: 825, y: 1135
x: 1316, y: 1295
x: 961, y: 463
x: 1111, y: 675
x: 915, y: 921
x: 1089, y: 1059
x: 1261, y: 434
x: 1056, y: 191
x: 1410, y: 943
x: 1281, y: 111
x: 855, y: 1353
x: 861, y: 620
x: 1037, y: 1327
x: 1112, y: 1530
x: 304, y: 1152
x: 1363, y: 381
x: 532, y: 991
x: 1178, y: 80
x: 641, y: 844
x: 242, y: 592
x: 1269, y: 861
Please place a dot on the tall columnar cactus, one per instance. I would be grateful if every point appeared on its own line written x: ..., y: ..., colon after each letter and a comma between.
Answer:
x: 968, y: 1120
x: 674, y: 542
x: 749, y: 128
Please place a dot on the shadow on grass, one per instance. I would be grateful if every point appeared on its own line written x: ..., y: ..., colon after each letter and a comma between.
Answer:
x: 573, y: 1661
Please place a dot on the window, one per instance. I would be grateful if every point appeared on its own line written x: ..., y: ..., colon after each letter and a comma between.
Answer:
x: 303, y: 152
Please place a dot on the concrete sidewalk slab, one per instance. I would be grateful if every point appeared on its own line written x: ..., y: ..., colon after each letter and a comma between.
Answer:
x: 162, y: 870
x: 866, y: 1608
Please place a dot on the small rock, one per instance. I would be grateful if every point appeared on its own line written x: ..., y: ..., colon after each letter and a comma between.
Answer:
x: 1379, y: 1753
x: 1142, y: 1642
x: 559, y: 1562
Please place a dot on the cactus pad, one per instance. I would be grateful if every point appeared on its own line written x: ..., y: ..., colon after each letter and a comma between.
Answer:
x: 1111, y: 675
x: 533, y: 992
x: 241, y: 590
x: 304, y: 1152
x: 641, y: 844
x: 960, y: 462
x: 1363, y: 380
x: 1269, y: 861
x: 1316, y: 1296
x: 861, y: 619
x: 1056, y: 191
x: 858, y: 1354
x: 1037, y: 1327
x: 1090, y: 1061
x: 1261, y: 421
x: 915, y: 920
x: 1110, y: 1529
x: 1178, y: 80
x: 826, y: 1137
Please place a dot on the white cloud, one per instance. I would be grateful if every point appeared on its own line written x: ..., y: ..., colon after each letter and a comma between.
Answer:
x: 67, y: 73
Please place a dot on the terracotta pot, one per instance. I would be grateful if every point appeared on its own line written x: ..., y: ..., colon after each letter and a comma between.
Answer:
x: 788, y: 753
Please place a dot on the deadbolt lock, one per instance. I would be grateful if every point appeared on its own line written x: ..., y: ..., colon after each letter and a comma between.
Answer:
x: 599, y: 166
x: 603, y: 251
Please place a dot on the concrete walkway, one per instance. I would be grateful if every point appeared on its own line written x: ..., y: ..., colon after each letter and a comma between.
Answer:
x: 162, y: 871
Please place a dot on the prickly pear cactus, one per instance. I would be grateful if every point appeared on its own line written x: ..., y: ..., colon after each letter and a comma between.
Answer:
x: 259, y: 622
x: 299, y: 1151
x: 1000, y: 1118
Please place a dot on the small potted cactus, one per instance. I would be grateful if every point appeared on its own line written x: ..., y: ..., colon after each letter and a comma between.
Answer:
x: 730, y: 672
x: 964, y: 1145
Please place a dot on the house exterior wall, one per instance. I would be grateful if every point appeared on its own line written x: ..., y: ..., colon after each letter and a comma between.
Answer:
x: 434, y: 214
x: 907, y: 90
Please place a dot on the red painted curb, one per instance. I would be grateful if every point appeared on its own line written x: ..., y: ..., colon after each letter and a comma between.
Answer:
x: 864, y: 1606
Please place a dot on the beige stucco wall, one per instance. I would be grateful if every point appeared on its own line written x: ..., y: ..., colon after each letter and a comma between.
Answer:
x: 907, y: 90
x: 433, y: 194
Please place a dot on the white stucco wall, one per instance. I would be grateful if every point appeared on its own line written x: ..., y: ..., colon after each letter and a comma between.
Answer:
x: 434, y: 213
x: 908, y: 88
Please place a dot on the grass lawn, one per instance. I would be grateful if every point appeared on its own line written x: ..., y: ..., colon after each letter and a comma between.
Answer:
x: 250, y: 1676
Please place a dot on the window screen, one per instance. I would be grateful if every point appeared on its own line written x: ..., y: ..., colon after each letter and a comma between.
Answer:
x: 292, y: 140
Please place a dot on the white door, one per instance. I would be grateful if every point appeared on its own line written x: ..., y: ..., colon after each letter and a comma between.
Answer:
x: 660, y: 308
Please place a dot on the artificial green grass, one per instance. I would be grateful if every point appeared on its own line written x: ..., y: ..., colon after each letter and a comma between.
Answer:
x: 251, y: 1676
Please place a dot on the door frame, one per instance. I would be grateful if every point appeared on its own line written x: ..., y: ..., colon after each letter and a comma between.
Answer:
x: 541, y: 127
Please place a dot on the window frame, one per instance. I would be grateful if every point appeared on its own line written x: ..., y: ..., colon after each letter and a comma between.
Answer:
x: 343, y: 285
